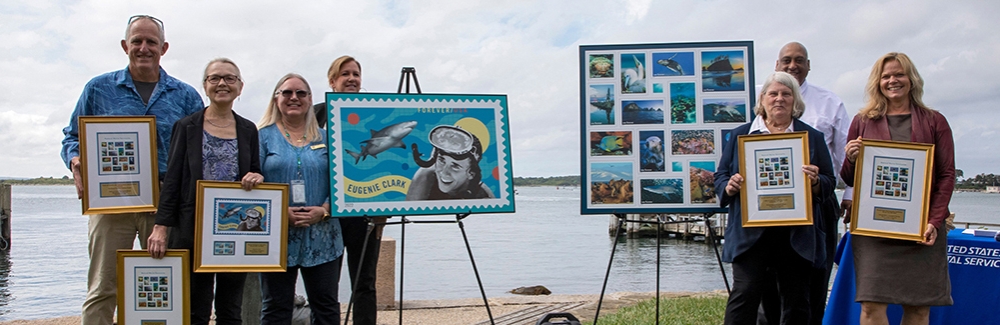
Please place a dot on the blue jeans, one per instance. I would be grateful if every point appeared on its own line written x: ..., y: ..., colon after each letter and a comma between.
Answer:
x: 322, y: 288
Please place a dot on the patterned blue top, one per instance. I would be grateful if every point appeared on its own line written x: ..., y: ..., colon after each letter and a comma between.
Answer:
x: 114, y: 93
x: 219, y: 158
x: 322, y: 242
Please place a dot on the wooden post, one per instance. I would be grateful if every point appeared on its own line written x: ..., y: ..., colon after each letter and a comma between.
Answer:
x: 385, y: 279
x: 251, y: 300
x: 5, y: 217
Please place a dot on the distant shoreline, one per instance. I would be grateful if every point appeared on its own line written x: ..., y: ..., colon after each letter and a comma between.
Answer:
x: 38, y: 181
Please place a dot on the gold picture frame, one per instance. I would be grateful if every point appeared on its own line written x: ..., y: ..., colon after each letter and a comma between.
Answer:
x: 771, y: 166
x: 118, y: 164
x: 247, y: 231
x: 149, y: 289
x: 892, y: 182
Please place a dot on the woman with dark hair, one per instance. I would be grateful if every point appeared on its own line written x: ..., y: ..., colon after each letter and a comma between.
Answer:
x: 892, y: 271
x: 213, y: 144
x: 293, y: 151
x: 453, y: 171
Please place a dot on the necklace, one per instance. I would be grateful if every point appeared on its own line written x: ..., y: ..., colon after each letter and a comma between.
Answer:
x: 776, y: 129
x: 289, y: 136
x: 296, y: 148
x: 219, y: 126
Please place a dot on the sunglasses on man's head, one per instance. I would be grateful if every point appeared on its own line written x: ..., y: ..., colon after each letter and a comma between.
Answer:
x: 154, y: 19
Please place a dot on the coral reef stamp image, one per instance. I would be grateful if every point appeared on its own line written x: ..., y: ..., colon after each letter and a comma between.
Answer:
x: 611, y: 183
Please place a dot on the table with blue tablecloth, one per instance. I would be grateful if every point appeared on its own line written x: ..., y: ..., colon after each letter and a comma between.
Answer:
x: 974, y: 268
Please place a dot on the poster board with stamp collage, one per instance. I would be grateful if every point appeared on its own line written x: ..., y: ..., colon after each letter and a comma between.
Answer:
x: 654, y: 119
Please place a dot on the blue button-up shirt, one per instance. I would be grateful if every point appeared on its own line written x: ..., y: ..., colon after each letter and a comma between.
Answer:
x: 114, y: 93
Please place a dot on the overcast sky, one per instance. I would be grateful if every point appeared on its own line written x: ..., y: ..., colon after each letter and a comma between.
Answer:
x: 525, y: 49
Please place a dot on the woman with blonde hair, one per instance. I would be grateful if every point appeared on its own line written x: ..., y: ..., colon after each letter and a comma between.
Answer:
x: 293, y: 151
x: 362, y: 239
x: 892, y: 271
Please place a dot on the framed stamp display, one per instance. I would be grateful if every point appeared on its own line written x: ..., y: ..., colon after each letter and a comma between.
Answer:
x: 240, y: 231
x: 153, y: 291
x: 892, y: 189
x: 653, y: 121
x: 118, y: 164
x: 775, y: 190
x: 418, y: 154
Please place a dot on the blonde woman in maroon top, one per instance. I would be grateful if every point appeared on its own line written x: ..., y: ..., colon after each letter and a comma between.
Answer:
x: 891, y: 271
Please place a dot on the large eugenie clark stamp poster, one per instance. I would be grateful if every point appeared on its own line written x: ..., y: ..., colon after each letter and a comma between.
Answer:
x: 403, y: 154
x: 654, y: 119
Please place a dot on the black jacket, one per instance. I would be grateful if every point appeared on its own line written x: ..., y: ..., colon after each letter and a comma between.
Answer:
x: 179, y: 190
x: 320, y: 109
x: 807, y: 241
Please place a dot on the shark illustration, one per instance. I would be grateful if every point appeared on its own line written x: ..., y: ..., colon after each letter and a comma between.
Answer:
x: 666, y: 190
x: 381, y: 140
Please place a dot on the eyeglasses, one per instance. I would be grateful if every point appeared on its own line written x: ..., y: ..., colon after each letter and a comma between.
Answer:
x: 155, y: 20
x: 287, y: 93
x: 230, y: 79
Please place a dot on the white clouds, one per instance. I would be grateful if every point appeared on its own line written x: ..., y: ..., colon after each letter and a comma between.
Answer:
x: 525, y: 49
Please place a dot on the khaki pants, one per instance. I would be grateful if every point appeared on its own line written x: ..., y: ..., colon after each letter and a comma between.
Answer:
x: 108, y: 233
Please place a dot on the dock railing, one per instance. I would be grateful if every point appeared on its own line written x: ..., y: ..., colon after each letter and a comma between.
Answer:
x: 694, y: 230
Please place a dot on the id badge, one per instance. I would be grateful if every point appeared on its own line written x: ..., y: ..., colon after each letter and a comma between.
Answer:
x: 298, y: 191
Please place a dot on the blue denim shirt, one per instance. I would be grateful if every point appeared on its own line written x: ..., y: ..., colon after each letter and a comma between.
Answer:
x: 114, y: 93
x: 319, y: 243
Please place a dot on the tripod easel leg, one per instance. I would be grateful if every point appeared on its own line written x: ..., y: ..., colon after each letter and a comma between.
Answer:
x: 474, y: 269
x: 715, y: 247
x: 618, y: 228
x: 402, y: 251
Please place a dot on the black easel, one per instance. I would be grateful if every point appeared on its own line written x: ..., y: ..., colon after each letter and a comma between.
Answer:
x: 405, y: 76
x: 660, y: 221
x: 402, y: 250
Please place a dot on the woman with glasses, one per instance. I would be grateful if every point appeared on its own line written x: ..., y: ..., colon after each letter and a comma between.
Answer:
x: 293, y: 151
x: 212, y: 144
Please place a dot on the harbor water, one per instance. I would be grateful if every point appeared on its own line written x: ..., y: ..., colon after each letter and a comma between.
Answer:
x: 547, y: 242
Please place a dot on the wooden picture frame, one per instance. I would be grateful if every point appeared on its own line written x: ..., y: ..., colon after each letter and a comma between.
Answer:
x: 153, y: 291
x: 118, y: 164
x: 240, y: 231
x: 775, y: 190
x: 892, y: 189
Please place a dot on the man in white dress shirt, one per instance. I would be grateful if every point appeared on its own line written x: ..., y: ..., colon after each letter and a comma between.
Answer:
x: 824, y: 112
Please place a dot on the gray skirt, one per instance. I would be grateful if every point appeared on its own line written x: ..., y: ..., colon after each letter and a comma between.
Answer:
x: 902, y: 272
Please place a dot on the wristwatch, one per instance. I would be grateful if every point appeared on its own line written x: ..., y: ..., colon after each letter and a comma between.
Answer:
x: 326, y: 215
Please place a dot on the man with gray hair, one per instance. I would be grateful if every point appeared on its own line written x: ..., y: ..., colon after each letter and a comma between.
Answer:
x: 142, y: 88
x: 826, y: 113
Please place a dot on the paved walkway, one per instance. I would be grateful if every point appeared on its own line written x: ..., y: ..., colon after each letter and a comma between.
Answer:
x: 513, y: 310
x: 516, y: 310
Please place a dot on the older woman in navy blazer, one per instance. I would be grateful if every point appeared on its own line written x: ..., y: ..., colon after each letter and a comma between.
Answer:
x: 786, y: 254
